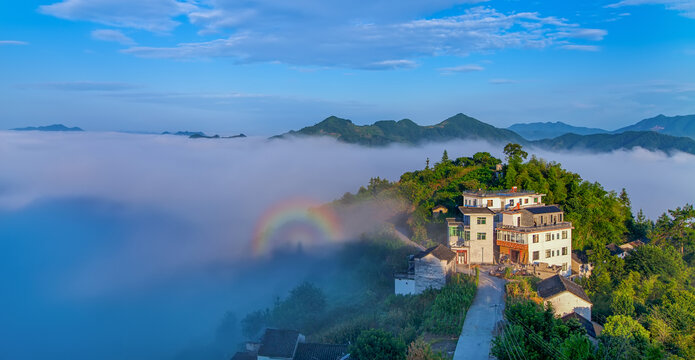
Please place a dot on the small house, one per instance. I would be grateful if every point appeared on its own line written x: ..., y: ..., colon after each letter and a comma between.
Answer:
x: 593, y: 329
x: 565, y: 296
x: 283, y: 344
x: 439, y: 209
x: 580, y: 264
x: 426, y: 269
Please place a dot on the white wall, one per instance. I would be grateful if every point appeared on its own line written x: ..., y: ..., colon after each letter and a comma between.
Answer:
x: 404, y: 286
x: 430, y: 272
x: 566, y: 302
x: 554, y: 246
x: 481, y: 251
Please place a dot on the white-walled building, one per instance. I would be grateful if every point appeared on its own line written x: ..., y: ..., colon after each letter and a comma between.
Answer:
x: 535, y: 234
x: 502, y: 199
x: 472, y: 236
x: 565, y: 296
x: 427, y: 269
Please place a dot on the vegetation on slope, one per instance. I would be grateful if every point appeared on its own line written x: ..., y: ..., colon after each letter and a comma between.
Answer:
x: 670, y: 125
x: 549, y: 130
x: 649, y: 140
x: 406, y: 131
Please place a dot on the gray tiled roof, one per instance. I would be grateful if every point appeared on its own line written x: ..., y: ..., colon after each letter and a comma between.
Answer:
x: 244, y: 356
x: 440, y: 251
x: 278, y: 343
x: 311, y: 351
x: 558, y: 284
x: 475, y: 210
x: 592, y: 329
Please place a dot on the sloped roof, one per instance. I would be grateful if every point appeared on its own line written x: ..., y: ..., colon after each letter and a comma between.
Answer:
x: 580, y: 257
x: 614, y: 249
x: 244, y: 356
x: 558, y: 284
x: 440, y: 251
x: 475, y: 210
x: 547, y: 209
x: 312, y: 351
x: 592, y: 329
x: 278, y: 343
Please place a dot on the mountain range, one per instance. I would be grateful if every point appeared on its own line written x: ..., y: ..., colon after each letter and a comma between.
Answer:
x: 406, y: 131
x: 548, y: 130
x: 54, y: 127
x: 461, y: 126
x: 669, y: 125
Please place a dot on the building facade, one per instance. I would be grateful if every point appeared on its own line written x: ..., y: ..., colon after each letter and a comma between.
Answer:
x: 427, y: 269
x: 510, y: 225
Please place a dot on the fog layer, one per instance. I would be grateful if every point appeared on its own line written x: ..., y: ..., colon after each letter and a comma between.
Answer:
x: 133, y: 246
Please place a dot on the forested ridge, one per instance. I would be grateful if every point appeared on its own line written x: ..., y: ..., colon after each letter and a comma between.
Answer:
x: 646, y: 302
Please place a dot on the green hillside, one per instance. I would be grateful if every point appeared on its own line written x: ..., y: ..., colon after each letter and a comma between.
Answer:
x: 627, y: 140
x: 670, y: 125
x: 549, y: 130
x: 406, y: 131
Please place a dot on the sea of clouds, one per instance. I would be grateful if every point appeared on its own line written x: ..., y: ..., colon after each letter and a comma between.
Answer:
x: 134, y: 246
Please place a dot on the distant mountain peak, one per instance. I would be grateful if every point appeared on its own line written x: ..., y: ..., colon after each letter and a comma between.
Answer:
x: 54, y: 127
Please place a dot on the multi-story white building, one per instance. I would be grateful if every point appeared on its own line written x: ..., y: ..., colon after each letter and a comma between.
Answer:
x: 502, y: 199
x: 510, y: 223
x: 472, y: 236
x: 534, y: 235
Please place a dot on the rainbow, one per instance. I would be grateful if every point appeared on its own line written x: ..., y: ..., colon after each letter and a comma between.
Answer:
x: 304, y: 218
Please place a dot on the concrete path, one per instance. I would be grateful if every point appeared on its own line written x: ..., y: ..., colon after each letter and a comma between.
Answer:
x: 486, y: 310
x: 399, y: 234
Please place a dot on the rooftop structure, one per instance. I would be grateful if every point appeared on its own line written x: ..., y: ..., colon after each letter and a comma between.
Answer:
x: 565, y: 296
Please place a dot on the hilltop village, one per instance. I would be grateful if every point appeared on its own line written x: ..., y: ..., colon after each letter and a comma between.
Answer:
x: 507, y: 260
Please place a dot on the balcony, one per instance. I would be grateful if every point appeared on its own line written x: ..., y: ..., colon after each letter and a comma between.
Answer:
x: 538, y: 228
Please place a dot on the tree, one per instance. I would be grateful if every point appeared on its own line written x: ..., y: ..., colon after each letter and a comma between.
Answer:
x: 514, y: 153
x: 254, y: 322
x: 577, y: 347
x: 420, y: 350
x: 625, y: 327
x: 375, y: 344
x: 445, y: 157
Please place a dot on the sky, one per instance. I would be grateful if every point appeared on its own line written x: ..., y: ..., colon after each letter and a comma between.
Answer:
x: 267, y: 66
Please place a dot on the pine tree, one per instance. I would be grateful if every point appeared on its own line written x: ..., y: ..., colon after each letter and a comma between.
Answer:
x: 445, y: 157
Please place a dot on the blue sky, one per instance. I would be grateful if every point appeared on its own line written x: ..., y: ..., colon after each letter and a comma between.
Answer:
x: 264, y: 67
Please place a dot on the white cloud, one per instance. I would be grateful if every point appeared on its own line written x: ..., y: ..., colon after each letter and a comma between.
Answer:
x: 112, y: 35
x: 684, y: 7
x: 13, y: 42
x: 307, y: 39
x: 580, y: 47
x: 462, y: 68
x: 150, y: 15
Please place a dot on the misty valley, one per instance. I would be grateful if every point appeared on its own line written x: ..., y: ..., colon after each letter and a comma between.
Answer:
x: 173, y: 248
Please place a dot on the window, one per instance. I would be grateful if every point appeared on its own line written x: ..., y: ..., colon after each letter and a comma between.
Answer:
x: 536, y: 255
x: 535, y: 200
x: 552, y: 236
x: 564, y: 267
x: 489, y: 203
x: 564, y: 250
x: 526, y: 201
x: 481, y: 236
x: 547, y: 237
x: 481, y: 221
x: 519, y: 201
x: 564, y: 234
x: 547, y: 254
x: 466, y: 235
x: 535, y: 238
x: 511, y: 202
